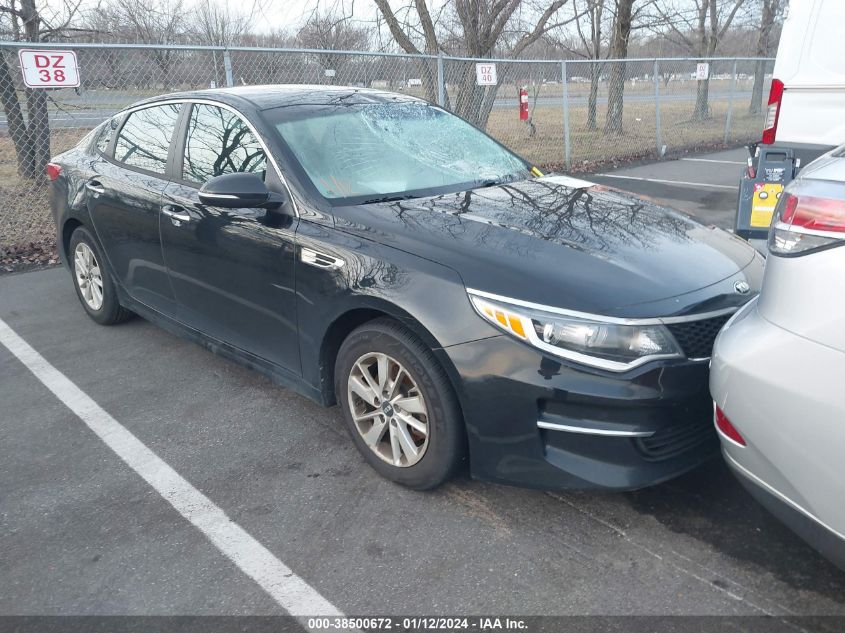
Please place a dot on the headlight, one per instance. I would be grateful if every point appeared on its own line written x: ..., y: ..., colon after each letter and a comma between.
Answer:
x: 604, y: 342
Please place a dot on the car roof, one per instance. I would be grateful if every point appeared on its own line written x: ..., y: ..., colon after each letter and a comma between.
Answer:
x: 281, y: 95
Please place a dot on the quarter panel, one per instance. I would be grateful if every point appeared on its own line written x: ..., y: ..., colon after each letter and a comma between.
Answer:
x: 799, y: 294
x: 68, y: 199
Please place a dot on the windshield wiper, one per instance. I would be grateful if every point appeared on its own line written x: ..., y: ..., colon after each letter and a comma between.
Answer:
x: 500, y: 181
x: 386, y: 199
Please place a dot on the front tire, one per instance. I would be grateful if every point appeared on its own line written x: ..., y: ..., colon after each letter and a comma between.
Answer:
x: 399, y: 406
x: 93, y: 283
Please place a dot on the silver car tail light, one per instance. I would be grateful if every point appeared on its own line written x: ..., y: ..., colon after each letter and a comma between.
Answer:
x: 810, y: 216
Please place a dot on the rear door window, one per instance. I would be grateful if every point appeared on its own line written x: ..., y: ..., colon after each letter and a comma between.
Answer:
x: 219, y: 142
x: 145, y: 139
x: 105, y: 137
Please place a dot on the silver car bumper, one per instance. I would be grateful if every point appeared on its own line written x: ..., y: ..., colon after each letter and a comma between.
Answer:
x: 785, y: 396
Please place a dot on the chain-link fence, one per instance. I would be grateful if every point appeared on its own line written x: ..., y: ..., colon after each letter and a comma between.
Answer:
x: 581, y: 114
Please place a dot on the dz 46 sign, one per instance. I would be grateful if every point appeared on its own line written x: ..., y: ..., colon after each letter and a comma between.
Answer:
x: 49, y: 69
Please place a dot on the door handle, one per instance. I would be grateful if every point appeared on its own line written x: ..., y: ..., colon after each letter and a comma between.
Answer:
x: 175, y: 213
x: 94, y: 186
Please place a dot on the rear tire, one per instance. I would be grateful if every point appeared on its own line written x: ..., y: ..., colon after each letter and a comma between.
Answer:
x: 92, y: 280
x: 399, y: 406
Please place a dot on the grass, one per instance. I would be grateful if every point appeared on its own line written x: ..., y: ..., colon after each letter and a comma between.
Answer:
x: 24, y: 206
x: 637, y: 139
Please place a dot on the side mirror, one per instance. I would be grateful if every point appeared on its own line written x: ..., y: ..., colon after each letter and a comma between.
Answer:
x: 238, y: 191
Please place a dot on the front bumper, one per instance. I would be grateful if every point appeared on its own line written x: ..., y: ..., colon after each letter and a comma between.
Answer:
x: 540, y: 422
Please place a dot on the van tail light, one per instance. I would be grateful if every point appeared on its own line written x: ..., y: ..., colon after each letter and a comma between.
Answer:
x: 53, y: 170
x: 770, y: 128
x: 726, y: 428
x: 804, y: 223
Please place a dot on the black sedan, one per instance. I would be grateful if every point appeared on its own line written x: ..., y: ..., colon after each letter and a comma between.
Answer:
x: 372, y: 250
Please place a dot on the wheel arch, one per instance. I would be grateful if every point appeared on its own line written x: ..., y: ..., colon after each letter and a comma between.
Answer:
x: 355, y: 316
x: 69, y: 226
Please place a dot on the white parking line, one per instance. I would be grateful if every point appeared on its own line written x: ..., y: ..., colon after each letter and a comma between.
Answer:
x: 705, y: 185
x: 290, y: 591
x: 713, y: 160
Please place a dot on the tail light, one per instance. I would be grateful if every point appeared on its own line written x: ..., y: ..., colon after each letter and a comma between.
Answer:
x: 810, y: 215
x: 770, y: 128
x: 53, y: 171
x: 727, y: 429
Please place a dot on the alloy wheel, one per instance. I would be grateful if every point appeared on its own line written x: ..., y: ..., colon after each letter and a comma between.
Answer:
x: 89, y: 278
x: 388, y: 409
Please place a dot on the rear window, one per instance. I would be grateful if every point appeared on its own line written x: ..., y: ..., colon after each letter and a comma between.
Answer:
x: 144, y: 141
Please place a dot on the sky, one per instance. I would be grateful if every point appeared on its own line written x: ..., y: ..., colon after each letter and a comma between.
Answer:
x: 293, y: 13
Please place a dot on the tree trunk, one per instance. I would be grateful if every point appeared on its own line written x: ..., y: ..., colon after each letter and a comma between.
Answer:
x: 618, y: 50
x: 31, y: 138
x: 470, y: 98
x: 474, y: 103
x: 702, y: 104
x: 757, y: 90
x: 429, y: 79
x: 592, y: 101
x: 15, y: 121
x: 615, y: 98
x: 39, y: 132
x: 767, y: 21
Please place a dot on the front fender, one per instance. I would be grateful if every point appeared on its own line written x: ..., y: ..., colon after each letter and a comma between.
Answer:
x: 376, y: 279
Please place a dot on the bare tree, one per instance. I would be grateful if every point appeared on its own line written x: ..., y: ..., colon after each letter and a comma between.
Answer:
x: 771, y: 11
x: 481, y: 28
x: 402, y: 34
x: 148, y: 22
x: 31, y: 135
x: 219, y: 23
x: 591, y: 44
x: 699, y: 25
x: 333, y: 30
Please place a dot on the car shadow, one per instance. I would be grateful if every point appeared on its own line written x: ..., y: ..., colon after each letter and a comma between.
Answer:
x: 711, y: 506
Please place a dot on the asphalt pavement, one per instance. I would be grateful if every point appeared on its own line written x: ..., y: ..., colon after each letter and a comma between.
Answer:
x: 90, y: 522
x: 704, y: 185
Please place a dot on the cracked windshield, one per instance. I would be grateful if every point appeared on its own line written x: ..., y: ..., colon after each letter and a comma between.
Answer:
x: 388, y: 151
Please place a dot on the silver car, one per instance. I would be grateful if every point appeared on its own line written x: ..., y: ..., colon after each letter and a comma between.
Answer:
x: 778, y: 366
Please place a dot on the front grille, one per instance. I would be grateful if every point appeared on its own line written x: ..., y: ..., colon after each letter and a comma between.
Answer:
x: 674, y: 440
x: 696, y: 337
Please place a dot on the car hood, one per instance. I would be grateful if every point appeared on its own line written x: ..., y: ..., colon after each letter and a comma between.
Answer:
x: 557, y: 241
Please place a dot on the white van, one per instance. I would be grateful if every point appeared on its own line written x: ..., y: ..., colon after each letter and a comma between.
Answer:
x: 806, y: 109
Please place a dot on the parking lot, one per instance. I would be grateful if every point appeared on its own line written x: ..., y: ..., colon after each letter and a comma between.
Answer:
x: 703, y: 185
x: 144, y: 475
